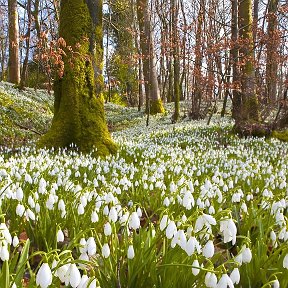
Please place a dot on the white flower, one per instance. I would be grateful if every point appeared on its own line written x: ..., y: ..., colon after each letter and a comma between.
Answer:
x: 92, y: 284
x: 19, y: 194
x: 4, y: 253
x: 91, y: 246
x: 208, y: 249
x: 276, y: 284
x: 15, y: 241
x: 84, y: 281
x: 61, y: 272
x: 74, y: 275
x: 285, y: 262
x: 192, y: 245
x: 107, y: 229
x: 229, y: 230
x: 94, y: 217
x: 60, y: 236
x: 105, y: 250
x: 195, y: 271
x: 235, y: 276
x: 113, y: 215
x: 225, y: 281
x: 134, y: 221
x: 171, y: 230
x: 30, y: 214
x: 44, y: 276
x: 80, y: 209
x: 164, y: 222
x: 20, y: 209
x: 83, y: 245
x: 246, y: 255
x: 210, y: 280
x: 130, y: 252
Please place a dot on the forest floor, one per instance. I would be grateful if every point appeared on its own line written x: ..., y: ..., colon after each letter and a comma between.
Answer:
x: 177, y: 204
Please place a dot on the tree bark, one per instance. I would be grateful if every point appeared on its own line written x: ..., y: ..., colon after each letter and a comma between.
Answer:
x: 249, y: 107
x: 272, y: 52
x: 79, y: 106
x: 153, y: 100
x: 14, y: 61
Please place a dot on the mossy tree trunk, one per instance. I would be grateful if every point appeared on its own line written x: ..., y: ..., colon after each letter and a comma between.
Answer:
x: 14, y: 61
x: 153, y: 99
x: 249, y: 107
x: 79, y: 107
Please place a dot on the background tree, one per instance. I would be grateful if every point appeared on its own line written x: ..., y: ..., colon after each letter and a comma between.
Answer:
x: 78, y: 109
x: 14, y: 61
x: 153, y: 100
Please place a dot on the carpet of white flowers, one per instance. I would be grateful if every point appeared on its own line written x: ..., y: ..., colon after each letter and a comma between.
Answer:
x: 177, y: 206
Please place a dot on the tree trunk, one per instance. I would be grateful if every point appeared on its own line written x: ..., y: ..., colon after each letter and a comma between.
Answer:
x: 175, y: 10
x: 236, y: 100
x: 78, y: 107
x: 249, y: 107
x: 197, y: 73
x: 27, y: 36
x: 14, y: 62
x: 272, y: 52
x: 153, y: 100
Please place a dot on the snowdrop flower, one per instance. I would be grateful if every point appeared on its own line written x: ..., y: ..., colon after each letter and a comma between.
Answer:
x: 31, y: 202
x: 61, y: 205
x: 73, y: 275
x: 235, y: 276
x: 208, y: 249
x: 171, y: 230
x: 192, y: 245
x: 83, y: 245
x: 229, y: 230
x: 19, y: 194
x: 15, y: 241
x: 84, y: 281
x: 4, y: 253
x: 210, y: 280
x: 91, y: 246
x: 20, y: 209
x: 276, y: 284
x: 285, y: 262
x: 134, y: 221
x: 225, y: 281
x: 107, y: 229
x: 180, y: 239
x: 195, y: 271
x: 106, y: 210
x: 113, y: 215
x: 124, y: 218
x: 80, y: 209
x: 60, y: 236
x: 130, y: 252
x: 28, y: 179
x: 105, y: 250
x: 166, y: 202
x: 44, y: 276
x: 164, y: 222
x: 139, y: 212
x: 30, y: 214
x: 246, y: 254
x: 94, y: 217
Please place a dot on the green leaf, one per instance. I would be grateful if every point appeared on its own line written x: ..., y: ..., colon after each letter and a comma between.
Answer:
x: 21, y: 264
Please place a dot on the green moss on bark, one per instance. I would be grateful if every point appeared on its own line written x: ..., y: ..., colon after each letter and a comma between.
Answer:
x: 281, y: 135
x: 156, y: 107
x: 79, y: 107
